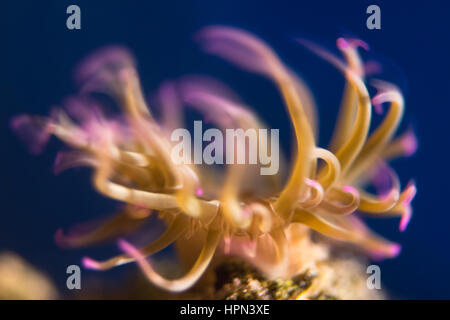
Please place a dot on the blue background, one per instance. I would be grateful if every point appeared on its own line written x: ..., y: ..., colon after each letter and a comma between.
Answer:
x: 38, y: 54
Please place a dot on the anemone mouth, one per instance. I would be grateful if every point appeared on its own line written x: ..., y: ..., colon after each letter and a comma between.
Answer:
x: 130, y: 156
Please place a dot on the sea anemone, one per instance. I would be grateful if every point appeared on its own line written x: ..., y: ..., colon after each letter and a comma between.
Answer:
x: 256, y: 217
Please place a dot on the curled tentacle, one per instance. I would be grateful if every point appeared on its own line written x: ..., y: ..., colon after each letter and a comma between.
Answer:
x: 403, y: 206
x: 177, y: 285
x: 332, y: 174
x: 341, y: 202
x: 315, y: 197
x: 381, y: 204
x: 380, y: 137
x: 350, y: 149
x: 156, y: 201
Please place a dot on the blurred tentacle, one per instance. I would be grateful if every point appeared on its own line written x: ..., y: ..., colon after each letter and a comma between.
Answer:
x: 171, y: 107
x: 348, y: 229
x: 226, y: 114
x: 126, y: 221
x: 170, y: 235
x: 308, y: 103
x: 252, y: 54
x: 403, y: 146
x: 350, y: 149
x: 403, y: 206
x: 281, y: 261
x: 181, y: 284
x: 380, y: 137
x: 349, y: 102
x: 156, y: 201
x: 381, y: 204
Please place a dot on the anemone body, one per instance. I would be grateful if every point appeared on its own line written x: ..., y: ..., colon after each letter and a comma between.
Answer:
x: 260, y: 218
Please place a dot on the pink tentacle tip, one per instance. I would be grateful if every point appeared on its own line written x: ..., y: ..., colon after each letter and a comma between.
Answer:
x: 377, y: 104
x: 57, y: 165
x: 392, y: 251
x: 89, y: 263
x: 199, y: 192
x: 17, y: 121
x: 59, y: 237
x: 342, y: 43
x: 411, y: 190
x: 35, y: 134
x: 410, y: 144
x: 360, y: 43
x: 395, y: 250
x: 405, y: 219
